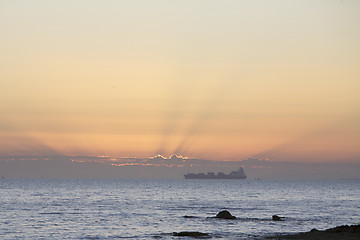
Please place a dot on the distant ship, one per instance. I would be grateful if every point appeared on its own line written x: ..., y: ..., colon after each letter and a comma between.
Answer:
x: 240, y: 174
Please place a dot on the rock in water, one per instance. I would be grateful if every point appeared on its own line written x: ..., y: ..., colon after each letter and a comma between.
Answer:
x: 190, y: 234
x: 277, y: 218
x: 225, y: 215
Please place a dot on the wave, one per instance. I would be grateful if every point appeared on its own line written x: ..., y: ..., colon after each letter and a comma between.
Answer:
x: 52, y: 213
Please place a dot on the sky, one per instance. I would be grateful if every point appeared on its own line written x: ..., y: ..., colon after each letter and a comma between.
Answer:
x: 219, y: 80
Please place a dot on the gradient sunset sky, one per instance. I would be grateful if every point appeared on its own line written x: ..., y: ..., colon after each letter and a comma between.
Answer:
x: 220, y: 80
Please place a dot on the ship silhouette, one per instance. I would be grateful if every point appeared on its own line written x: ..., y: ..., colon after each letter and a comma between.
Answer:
x: 240, y: 174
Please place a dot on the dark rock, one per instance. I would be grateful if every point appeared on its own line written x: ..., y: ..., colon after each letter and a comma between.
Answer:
x: 190, y: 234
x: 277, y: 218
x: 225, y: 215
x: 186, y: 216
x: 344, y: 228
x: 344, y: 232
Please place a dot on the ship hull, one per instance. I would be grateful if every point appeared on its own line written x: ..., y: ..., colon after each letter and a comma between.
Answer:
x: 240, y: 174
x: 201, y: 177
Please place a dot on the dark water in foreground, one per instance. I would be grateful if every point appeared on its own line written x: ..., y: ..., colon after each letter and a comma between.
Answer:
x: 148, y: 209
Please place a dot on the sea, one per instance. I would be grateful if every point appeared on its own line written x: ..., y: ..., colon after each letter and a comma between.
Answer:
x: 155, y: 209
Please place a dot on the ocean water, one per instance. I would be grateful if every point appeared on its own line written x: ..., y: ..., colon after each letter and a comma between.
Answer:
x: 154, y: 209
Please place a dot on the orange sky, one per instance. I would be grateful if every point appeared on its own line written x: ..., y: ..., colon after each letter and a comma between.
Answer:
x: 207, y: 79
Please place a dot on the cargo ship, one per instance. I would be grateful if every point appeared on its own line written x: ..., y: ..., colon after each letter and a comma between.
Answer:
x: 240, y: 174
